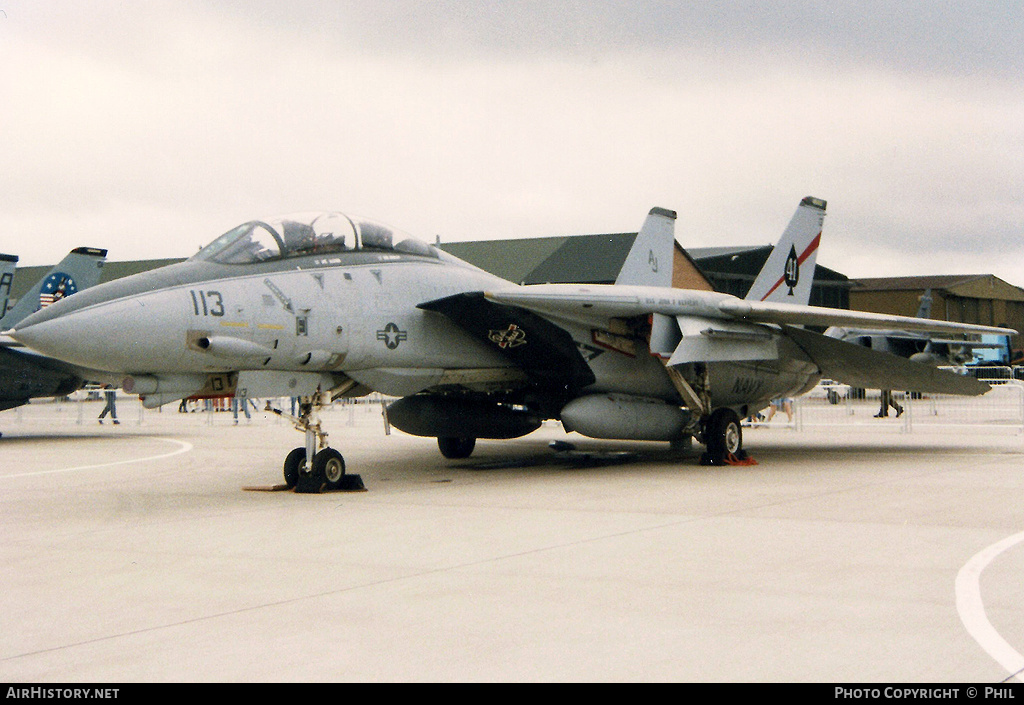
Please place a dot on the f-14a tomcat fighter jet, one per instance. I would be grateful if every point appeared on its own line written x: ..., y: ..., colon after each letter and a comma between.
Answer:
x: 324, y: 305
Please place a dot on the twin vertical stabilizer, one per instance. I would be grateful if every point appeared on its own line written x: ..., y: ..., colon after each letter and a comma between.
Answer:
x: 649, y: 262
x: 789, y: 272
x: 8, y: 263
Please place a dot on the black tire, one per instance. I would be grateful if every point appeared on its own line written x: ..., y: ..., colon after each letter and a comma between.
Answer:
x: 329, y: 464
x: 723, y: 436
x: 306, y: 479
x: 456, y: 448
x: 294, y: 465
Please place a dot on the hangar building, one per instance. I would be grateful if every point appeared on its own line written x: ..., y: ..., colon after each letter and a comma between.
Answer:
x: 586, y: 259
x: 976, y: 298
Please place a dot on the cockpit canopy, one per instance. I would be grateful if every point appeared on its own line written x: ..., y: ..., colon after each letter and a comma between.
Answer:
x: 305, y: 234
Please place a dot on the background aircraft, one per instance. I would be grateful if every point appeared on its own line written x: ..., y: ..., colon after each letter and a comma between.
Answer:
x: 27, y: 375
x: 8, y: 263
x: 927, y: 349
x: 323, y: 305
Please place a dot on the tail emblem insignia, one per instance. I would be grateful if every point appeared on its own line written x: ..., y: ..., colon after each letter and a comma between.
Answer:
x: 792, y: 270
x: 56, y: 287
x: 511, y: 337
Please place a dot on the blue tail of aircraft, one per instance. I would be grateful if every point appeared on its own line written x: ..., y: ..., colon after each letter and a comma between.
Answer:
x: 81, y: 269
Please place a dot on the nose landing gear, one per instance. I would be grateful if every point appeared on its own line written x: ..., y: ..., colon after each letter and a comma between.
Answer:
x: 315, y: 467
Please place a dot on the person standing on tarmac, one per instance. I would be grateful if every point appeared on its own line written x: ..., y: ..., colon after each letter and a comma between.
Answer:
x: 244, y: 403
x: 111, y: 406
x: 887, y: 401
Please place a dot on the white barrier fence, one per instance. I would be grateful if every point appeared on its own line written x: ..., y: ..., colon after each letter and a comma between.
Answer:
x: 83, y: 408
x: 1001, y: 410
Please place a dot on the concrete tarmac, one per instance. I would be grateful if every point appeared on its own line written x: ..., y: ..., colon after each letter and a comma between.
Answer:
x: 133, y: 554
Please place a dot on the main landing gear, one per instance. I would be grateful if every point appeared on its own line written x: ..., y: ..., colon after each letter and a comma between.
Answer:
x: 315, y: 467
x: 719, y: 429
x: 723, y: 438
x: 456, y: 448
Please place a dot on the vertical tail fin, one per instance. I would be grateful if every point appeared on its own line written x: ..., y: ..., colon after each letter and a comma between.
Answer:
x: 8, y: 263
x: 789, y: 272
x: 649, y: 262
x: 79, y: 270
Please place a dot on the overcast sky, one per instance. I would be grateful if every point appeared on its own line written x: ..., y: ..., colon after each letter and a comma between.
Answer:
x: 151, y: 127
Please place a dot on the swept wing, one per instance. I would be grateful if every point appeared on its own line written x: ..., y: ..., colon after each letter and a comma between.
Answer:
x: 693, y: 326
x: 595, y: 303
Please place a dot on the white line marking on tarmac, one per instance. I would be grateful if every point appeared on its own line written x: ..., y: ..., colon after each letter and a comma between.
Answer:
x: 184, y: 447
x: 972, y: 609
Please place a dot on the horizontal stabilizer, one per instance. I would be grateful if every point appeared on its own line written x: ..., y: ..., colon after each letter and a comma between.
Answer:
x: 25, y: 375
x: 874, y: 369
x: 715, y: 340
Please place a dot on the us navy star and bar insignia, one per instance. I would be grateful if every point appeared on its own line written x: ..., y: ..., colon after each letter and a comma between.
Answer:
x: 392, y: 335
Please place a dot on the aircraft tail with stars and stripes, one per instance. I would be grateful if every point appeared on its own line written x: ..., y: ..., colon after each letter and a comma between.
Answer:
x: 81, y: 269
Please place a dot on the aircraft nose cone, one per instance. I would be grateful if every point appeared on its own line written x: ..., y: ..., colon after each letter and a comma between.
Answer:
x: 130, y: 324
x: 116, y: 336
x: 53, y: 336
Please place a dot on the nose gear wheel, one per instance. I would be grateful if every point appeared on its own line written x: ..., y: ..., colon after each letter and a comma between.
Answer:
x: 315, y: 467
